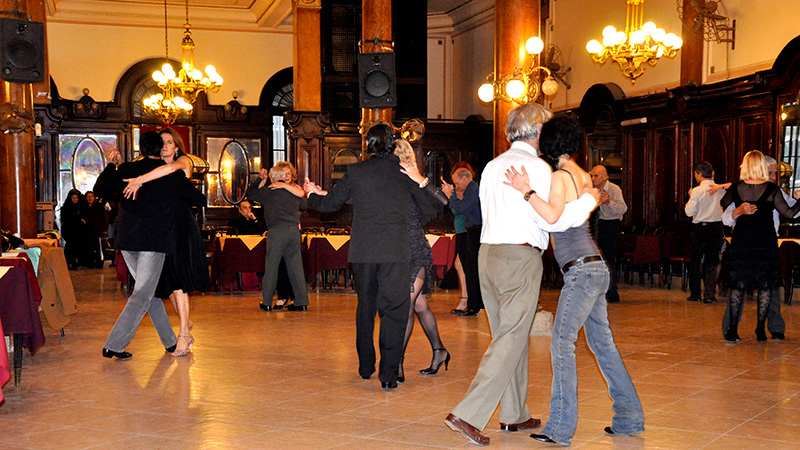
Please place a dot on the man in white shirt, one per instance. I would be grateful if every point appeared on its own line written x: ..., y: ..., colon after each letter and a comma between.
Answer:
x: 513, y: 237
x: 609, y: 214
x: 707, y: 234
x: 775, y: 323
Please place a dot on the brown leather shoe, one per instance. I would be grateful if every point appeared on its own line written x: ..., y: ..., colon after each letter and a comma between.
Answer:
x: 529, y: 424
x: 471, y: 433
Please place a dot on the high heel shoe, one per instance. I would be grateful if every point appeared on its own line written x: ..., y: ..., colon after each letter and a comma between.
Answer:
x: 462, y: 300
x: 401, y: 376
x: 179, y: 353
x: 434, y: 370
x: 279, y: 306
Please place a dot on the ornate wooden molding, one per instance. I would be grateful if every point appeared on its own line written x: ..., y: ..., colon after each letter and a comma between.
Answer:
x: 308, y: 4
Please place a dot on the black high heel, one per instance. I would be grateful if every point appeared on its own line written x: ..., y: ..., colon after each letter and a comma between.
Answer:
x: 433, y: 371
x: 401, y: 376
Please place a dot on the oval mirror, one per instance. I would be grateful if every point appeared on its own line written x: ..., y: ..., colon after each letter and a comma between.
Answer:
x: 88, y: 161
x: 234, y: 169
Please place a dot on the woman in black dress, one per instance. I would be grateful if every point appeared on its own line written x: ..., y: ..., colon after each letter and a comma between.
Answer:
x: 420, y: 265
x: 73, y: 227
x: 187, y: 270
x: 753, y: 253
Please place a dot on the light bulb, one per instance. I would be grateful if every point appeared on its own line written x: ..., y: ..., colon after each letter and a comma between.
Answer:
x: 637, y: 37
x: 550, y: 86
x: 659, y: 34
x: 196, y: 74
x: 486, y: 92
x: 621, y: 37
x: 669, y: 39
x: 609, y: 31
x: 648, y: 28
x: 211, y: 69
x: 515, y: 88
x: 678, y: 43
x: 594, y: 47
x: 534, y: 46
x: 610, y: 41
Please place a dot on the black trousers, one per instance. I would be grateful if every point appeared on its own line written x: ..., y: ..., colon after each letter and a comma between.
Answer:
x: 706, y: 242
x: 607, y: 235
x: 382, y: 288
x: 469, y: 261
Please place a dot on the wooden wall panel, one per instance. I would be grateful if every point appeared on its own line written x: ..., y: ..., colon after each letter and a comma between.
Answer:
x: 666, y: 199
x: 635, y: 190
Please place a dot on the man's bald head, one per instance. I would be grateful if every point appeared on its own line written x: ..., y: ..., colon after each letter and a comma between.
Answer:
x: 599, y: 176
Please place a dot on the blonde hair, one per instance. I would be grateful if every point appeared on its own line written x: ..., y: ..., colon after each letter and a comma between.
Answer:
x: 276, y: 173
x: 404, y: 151
x: 754, y: 166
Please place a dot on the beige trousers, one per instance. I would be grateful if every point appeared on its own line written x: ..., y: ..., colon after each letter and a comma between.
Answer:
x: 510, y: 279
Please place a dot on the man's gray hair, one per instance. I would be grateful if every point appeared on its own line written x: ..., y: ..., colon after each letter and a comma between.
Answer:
x: 523, y: 122
x: 770, y: 161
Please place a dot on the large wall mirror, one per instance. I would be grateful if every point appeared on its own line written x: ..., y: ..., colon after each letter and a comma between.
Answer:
x: 232, y: 164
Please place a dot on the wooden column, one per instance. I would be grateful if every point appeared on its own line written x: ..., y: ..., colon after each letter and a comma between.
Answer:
x: 515, y: 22
x: 307, y: 77
x: 692, y: 49
x: 17, y: 155
x: 376, y: 22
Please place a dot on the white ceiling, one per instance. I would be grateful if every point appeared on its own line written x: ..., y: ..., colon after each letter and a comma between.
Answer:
x: 211, y: 14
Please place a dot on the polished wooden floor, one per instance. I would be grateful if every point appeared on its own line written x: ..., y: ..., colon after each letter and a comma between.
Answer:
x: 288, y: 380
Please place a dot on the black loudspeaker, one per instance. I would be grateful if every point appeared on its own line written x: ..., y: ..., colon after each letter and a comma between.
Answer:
x: 21, y: 51
x: 377, y: 85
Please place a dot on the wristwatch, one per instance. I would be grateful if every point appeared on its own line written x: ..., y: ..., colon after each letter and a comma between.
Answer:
x: 528, y: 194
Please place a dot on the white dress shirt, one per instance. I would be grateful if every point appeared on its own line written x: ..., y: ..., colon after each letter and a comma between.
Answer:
x: 616, y: 207
x: 703, y: 207
x: 507, y: 217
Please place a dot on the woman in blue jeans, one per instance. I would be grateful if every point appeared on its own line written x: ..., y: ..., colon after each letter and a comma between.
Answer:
x: 582, y: 302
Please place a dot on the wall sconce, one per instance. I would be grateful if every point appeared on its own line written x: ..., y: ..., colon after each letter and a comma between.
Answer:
x: 522, y: 86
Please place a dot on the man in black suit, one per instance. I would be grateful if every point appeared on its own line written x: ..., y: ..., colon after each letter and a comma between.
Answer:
x: 379, y: 248
x: 145, y: 234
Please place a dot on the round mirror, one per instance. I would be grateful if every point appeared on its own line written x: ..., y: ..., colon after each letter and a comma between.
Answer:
x: 88, y: 161
x: 234, y: 169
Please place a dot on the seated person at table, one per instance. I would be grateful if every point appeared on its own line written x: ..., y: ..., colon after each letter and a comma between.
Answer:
x: 283, y: 202
x: 246, y: 222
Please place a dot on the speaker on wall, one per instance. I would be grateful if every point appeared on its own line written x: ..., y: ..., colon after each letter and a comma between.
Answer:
x: 377, y: 84
x: 21, y: 51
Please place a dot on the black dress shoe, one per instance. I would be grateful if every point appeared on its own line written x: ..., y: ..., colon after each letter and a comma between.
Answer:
x: 710, y: 301
x: 389, y: 385
x: 608, y: 430
x: 264, y: 307
x: 543, y: 438
x: 469, y: 312
x: 612, y: 298
x: 778, y: 336
x: 171, y: 349
x: 692, y: 298
x: 365, y: 377
x: 294, y: 307
x: 122, y: 356
x: 457, y: 311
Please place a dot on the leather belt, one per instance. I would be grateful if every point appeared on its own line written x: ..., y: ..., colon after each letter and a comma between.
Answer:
x: 581, y: 261
x: 529, y: 245
x: 705, y: 224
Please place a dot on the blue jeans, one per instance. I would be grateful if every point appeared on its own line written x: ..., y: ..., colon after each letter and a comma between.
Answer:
x: 583, y: 304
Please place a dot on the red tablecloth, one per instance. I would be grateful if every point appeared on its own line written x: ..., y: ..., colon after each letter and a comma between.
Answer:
x: 5, y: 370
x: 235, y: 257
x: 320, y: 255
x: 444, y: 251
x: 19, y: 302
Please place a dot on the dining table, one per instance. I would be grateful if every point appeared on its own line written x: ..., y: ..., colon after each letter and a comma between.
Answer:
x: 237, y: 261
x: 323, y: 253
x: 20, y: 298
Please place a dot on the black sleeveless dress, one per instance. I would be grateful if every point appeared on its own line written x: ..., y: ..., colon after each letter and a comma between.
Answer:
x: 421, y: 254
x: 753, y: 253
x: 187, y: 269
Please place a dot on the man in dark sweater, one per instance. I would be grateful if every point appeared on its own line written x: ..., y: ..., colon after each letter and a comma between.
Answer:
x: 379, y: 248
x: 246, y: 222
x: 145, y: 234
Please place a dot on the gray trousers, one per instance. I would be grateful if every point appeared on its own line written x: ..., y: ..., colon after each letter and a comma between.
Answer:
x: 145, y: 267
x: 284, y: 242
x: 510, y: 279
x: 775, y: 323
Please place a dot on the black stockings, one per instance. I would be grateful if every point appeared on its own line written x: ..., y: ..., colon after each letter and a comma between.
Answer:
x: 735, y: 305
x: 419, y: 305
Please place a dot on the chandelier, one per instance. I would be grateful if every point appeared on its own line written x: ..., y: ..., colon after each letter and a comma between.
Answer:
x: 637, y: 45
x: 522, y: 86
x: 180, y: 91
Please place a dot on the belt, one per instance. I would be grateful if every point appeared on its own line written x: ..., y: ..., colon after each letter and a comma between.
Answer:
x: 529, y: 245
x: 708, y: 223
x: 580, y: 261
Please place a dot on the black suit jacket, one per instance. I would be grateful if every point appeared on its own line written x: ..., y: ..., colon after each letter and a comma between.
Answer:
x: 246, y: 226
x: 147, y: 223
x: 380, y: 195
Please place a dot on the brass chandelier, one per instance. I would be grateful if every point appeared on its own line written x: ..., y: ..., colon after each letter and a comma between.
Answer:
x: 522, y: 86
x: 180, y: 90
x: 637, y: 45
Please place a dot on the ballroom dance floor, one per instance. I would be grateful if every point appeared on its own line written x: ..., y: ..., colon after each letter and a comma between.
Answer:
x: 288, y: 380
